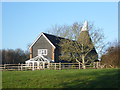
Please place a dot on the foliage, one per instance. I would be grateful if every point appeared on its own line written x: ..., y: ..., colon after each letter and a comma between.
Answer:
x: 16, y: 56
x: 84, y: 78
x: 75, y: 51
x: 111, y: 58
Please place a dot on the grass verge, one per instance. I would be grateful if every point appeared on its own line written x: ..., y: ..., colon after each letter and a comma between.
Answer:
x: 73, y: 78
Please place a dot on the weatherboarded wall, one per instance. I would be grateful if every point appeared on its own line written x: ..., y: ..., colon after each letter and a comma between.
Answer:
x: 42, y: 43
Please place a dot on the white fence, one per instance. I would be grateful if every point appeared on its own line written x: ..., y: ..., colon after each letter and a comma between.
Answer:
x: 50, y: 66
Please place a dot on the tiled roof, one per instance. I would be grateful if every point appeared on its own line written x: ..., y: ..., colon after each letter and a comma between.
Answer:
x: 55, y: 40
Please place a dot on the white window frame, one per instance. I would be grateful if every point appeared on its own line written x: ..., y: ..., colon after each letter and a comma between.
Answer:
x: 42, y: 52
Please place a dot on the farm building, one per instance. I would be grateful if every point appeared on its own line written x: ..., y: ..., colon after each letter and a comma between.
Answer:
x: 46, y: 47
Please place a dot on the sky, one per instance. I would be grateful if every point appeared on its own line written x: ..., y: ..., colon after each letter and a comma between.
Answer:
x: 22, y: 22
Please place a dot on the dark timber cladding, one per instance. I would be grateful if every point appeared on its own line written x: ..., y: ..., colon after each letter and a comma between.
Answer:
x: 42, y: 43
x: 50, y: 44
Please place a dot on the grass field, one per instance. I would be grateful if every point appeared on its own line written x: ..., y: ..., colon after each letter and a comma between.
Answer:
x: 89, y: 78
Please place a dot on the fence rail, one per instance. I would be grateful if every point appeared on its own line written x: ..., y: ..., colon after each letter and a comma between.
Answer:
x: 50, y: 66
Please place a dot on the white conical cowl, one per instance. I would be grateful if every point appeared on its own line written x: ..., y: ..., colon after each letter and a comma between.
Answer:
x: 85, y: 26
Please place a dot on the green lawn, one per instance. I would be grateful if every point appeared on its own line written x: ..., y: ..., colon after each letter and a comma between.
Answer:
x: 89, y: 78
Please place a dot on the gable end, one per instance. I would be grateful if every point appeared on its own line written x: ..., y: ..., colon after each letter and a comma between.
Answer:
x: 38, y: 38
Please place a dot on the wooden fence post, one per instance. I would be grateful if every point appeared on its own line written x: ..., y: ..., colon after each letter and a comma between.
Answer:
x: 33, y: 66
x: 21, y: 67
x: 4, y: 66
x: 55, y: 66
x: 18, y: 67
x: 48, y: 66
x: 79, y: 65
x: 43, y: 65
x: 60, y: 66
x: 97, y: 65
x: 93, y: 64
x: 26, y: 67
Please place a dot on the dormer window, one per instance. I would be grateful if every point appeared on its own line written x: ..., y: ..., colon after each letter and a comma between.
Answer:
x: 42, y: 52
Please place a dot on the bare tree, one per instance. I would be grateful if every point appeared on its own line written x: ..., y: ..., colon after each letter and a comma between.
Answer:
x: 111, y: 57
x: 72, y: 32
x: 81, y: 49
x: 16, y: 56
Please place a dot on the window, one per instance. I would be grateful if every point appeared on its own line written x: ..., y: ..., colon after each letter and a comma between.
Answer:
x: 42, y: 52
